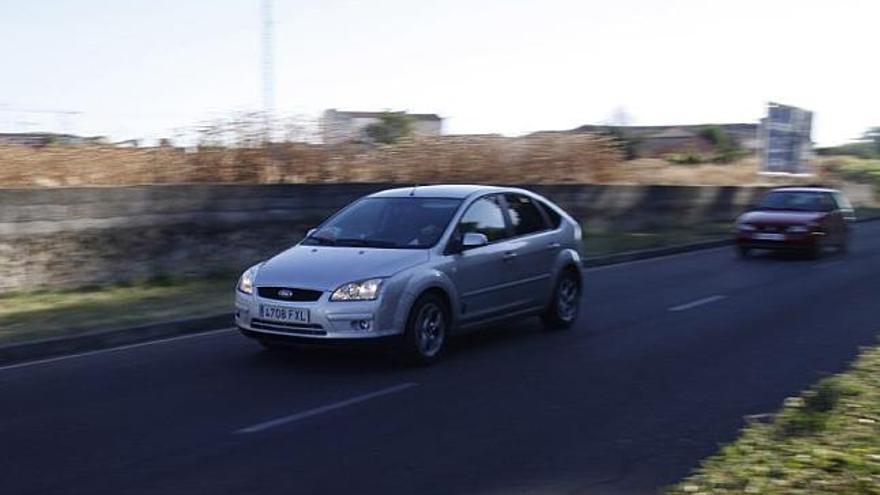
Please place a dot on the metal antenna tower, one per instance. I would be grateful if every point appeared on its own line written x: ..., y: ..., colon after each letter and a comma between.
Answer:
x: 268, y: 66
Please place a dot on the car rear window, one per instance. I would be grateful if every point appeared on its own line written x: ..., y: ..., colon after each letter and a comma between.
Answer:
x: 525, y: 217
x: 554, y: 217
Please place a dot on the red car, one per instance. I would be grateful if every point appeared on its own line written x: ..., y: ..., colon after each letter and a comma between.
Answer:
x: 806, y: 219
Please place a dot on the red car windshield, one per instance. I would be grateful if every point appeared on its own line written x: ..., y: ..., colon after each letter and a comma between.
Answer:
x: 797, y: 201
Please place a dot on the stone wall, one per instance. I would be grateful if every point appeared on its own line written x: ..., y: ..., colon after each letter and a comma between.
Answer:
x: 67, y: 237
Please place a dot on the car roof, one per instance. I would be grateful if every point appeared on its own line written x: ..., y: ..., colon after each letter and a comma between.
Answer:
x: 457, y: 191
x: 805, y: 189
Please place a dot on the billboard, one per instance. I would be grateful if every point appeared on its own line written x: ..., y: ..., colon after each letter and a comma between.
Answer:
x: 787, y: 139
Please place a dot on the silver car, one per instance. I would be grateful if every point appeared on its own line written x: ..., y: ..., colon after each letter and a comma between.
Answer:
x: 414, y: 265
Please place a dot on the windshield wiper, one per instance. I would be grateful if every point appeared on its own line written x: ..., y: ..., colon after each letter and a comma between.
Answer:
x: 787, y: 208
x: 324, y: 241
x: 365, y: 243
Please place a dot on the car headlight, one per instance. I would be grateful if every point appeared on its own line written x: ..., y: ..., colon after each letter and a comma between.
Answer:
x: 365, y: 290
x: 746, y: 227
x: 798, y: 229
x: 246, y: 282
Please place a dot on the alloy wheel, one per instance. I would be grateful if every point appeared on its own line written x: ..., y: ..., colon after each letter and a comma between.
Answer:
x: 430, y: 329
x: 567, y: 299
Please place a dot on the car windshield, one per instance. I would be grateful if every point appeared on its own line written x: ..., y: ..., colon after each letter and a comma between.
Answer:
x: 795, y: 200
x: 398, y: 223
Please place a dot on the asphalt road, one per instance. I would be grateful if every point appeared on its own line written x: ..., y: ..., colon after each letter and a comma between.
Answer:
x: 669, y: 357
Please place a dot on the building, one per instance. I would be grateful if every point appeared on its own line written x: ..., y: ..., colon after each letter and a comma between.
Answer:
x: 658, y: 140
x: 346, y: 127
x: 46, y: 138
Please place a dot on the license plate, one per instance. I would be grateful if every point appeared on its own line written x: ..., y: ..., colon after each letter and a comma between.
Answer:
x: 769, y: 237
x: 284, y: 314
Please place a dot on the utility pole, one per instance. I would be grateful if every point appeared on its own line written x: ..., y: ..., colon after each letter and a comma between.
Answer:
x: 268, y: 68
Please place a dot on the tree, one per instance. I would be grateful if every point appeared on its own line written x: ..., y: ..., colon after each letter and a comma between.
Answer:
x: 391, y: 127
x: 727, y: 148
x: 872, y: 138
x: 867, y: 146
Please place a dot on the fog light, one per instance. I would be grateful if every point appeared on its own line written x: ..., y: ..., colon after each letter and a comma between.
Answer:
x: 361, y: 325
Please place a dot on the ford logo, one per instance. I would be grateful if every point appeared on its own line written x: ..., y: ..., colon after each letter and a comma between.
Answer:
x: 285, y: 293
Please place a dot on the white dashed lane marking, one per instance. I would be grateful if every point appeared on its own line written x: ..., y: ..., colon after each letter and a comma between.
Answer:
x: 697, y: 303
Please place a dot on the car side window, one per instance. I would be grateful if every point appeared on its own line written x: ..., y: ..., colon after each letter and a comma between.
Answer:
x: 842, y: 202
x: 525, y: 217
x: 826, y: 203
x: 552, y: 215
x: 486, y: 217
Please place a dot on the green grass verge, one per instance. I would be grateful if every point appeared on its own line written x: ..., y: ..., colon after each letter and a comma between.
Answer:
x: 41, y: 314
x: 600, y: 243
x: 865, y: 213
x: 825, y: 441
x: 856, y: 169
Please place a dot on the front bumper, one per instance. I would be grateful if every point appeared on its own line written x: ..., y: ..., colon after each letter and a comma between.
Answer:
x: 350, y: 320
x: 789, y: 241
x: 296, y: 340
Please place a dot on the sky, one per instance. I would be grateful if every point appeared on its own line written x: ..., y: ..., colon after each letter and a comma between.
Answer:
x: 152, y: 68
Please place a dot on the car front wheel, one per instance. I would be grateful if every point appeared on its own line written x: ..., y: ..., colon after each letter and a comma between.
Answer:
x: 426, y: 330
x: 565, y: 305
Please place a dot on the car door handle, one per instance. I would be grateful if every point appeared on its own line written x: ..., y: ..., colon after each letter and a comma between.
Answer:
x: 509, y: 256
x: 553, y: 245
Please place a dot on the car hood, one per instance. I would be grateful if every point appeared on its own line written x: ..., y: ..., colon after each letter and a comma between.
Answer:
x: 326, y: 268
x: 776, y: 217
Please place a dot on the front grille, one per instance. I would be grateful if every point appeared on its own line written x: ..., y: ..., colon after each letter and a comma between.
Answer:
x: 291, y: 328
x: 298, y: 295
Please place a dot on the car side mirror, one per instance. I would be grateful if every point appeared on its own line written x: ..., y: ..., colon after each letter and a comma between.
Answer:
x: 310, y: 232
x: 473, y: 239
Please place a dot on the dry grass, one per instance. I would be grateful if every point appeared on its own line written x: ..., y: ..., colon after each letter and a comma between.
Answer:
x: 544, y: 158
x: 540, y: 159
x: 740, y: 173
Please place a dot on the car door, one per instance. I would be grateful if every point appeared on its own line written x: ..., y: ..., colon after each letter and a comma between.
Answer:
x: 534, y: 247
x: 837, y: 223
x: 845, y: 207
x: 482, y: 274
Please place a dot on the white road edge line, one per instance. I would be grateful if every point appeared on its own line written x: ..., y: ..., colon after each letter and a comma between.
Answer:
x: 698, y: 302
x: 272, y: 423
x: 113, y: 349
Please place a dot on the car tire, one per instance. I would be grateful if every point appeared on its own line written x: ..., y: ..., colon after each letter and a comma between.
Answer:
x: 427, y: 329
x: 564, y: 307
x: 744, y: 252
